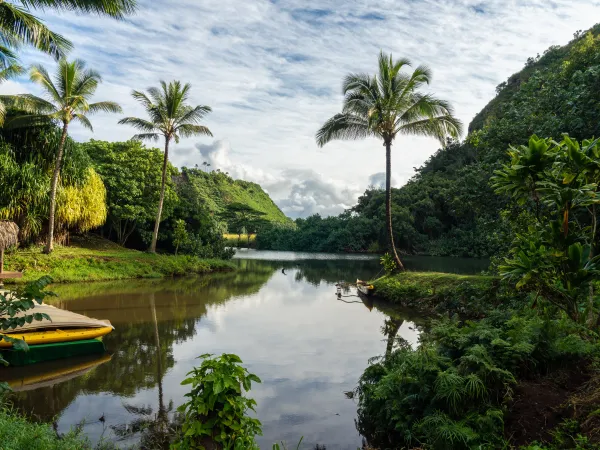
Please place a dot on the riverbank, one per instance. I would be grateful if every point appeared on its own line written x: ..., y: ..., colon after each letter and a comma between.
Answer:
x: 94, y: 259
x: 16, y: 432
x: 471, y: 295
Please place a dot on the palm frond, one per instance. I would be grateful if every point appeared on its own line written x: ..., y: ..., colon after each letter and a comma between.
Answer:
x: 18, y: 25
x: 113, y: 8
x: 439, y: 127
x: 343, y: 126
x: 83, y: 120
x: 140, y: 124
x: 146, y: 137
x: 28, y: 103
x: 194, y: 115
x: 10, y: 71
x: 38, y: 74
x: 143, y: 99
x: 188, y: 130
x: 109, y: 107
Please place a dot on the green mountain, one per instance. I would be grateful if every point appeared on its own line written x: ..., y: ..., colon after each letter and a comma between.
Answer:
x: 217, y: 190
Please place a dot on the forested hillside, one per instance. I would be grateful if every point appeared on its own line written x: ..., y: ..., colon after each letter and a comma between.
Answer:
x: 448, y: 207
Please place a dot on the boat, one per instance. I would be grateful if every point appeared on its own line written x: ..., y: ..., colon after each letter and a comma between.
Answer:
x: 65, y: 335
x: 364, y: 288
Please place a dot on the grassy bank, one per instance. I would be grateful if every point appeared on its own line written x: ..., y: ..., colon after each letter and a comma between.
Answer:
x: 95, y: 260
x: 17, y: 433
x: 440, y: 292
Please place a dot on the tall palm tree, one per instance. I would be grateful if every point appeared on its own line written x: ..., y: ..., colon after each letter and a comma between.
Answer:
x: 386, y: 105
x: 18, y: 26
x: 66, y: 100
x: 172, y: 118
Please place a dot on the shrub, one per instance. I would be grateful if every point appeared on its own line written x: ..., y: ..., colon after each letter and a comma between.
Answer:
x: 452, y: 391
x: 217, y: 411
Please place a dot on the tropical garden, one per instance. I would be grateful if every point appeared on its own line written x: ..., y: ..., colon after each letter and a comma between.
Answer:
x: 522, y: 188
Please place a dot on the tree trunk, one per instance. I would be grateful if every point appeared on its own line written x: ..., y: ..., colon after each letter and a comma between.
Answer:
x: 152, y: 248
x: 61, y: 146
x: 392, y: 328
x: 388, y: 203
x: 591, y: 318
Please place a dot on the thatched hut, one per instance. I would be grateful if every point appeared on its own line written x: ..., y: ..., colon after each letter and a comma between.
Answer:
x: 9, y: 236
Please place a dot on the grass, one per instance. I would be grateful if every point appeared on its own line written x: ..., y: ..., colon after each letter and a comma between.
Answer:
x: 440, y: 292
x: 95, y: 259
x: 17, y: 433
x: 234, y: 240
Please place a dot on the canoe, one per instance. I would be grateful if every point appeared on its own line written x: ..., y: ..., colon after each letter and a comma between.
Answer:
x: 364, y: 288
x: 52, y: 336
x: 50, y: 352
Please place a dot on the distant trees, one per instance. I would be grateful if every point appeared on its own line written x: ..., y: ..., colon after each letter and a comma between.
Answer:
x: 241, y: 217
x: 386, y: 105
x: 170, y: 117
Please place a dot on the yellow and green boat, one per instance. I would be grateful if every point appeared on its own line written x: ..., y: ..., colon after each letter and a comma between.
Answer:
x: 65, y: 335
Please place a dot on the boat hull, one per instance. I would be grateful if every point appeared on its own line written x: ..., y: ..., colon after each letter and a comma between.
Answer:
x: 57, y: 335
x: 50, y: 352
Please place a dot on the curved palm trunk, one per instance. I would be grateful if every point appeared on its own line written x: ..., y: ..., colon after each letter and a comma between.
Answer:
x: 162, y: 198
x: 57, y: 165
x: 388, y: 203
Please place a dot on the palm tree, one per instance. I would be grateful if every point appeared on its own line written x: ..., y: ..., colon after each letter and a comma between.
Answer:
x: 386, y: 105
x: 172, y: 118
x: 66, y: 100
x: 18, y: 26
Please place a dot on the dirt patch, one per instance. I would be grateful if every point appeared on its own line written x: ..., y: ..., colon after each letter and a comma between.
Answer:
x: 542, y: 404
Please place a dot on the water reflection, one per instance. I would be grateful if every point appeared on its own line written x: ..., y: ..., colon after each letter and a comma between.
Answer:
x: 288, y: 327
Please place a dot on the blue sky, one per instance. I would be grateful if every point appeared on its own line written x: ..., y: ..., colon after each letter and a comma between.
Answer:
x: 272, y: 70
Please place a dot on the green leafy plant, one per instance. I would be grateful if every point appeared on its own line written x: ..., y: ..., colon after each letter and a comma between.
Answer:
x: 217, y: 411
x: 389, y: 264
x: 180, y: 234
x: 555, y: 257
x: 13, y: 312
x: 283, y: 446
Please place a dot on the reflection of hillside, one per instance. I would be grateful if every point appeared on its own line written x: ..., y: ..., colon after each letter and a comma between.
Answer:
x: 149, y: 318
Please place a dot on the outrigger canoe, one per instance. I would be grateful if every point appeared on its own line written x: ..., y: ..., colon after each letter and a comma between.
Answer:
x: 66, y: 334
x: 364, y: 288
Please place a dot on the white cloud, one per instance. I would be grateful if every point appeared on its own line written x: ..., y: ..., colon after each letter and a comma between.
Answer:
x: 271, y: 70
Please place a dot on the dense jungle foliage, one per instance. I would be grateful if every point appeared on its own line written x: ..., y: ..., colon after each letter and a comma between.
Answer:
x: 112, y: 187
x: 449, y: 207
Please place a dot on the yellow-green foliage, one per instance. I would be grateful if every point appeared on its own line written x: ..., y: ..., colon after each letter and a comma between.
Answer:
x: 82, y: 208
x: 241, y: 240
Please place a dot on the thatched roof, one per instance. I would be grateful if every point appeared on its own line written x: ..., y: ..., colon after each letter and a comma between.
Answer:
x: 9, y: 234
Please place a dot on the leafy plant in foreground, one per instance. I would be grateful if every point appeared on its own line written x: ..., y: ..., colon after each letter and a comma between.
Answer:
x: 217, y: 411
x: 555, y: 258
x: 12, y: 307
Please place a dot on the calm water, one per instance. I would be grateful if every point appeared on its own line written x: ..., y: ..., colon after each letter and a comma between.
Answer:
x: 306, y: 345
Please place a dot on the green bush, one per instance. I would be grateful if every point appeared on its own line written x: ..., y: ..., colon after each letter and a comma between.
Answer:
x: 452, y: 391
x: 217, y: 411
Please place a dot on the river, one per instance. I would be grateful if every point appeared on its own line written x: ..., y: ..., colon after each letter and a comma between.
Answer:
x: 279, y: 312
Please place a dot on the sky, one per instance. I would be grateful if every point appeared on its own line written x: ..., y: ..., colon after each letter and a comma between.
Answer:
x: 272, y: 71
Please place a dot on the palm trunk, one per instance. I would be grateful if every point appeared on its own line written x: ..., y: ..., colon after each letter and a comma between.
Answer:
x: 162, y: 197
x: 393, y: 326
x: 388, y: 203
x: 61, y: 146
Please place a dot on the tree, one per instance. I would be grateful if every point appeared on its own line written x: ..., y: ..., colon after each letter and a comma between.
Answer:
x: 66, y: 101
x: 386, y: 105
x: 132, y: 175
x: 172, y: 118
x: 243, y: 217
x: 18, y: 26
x: 180, y: 234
